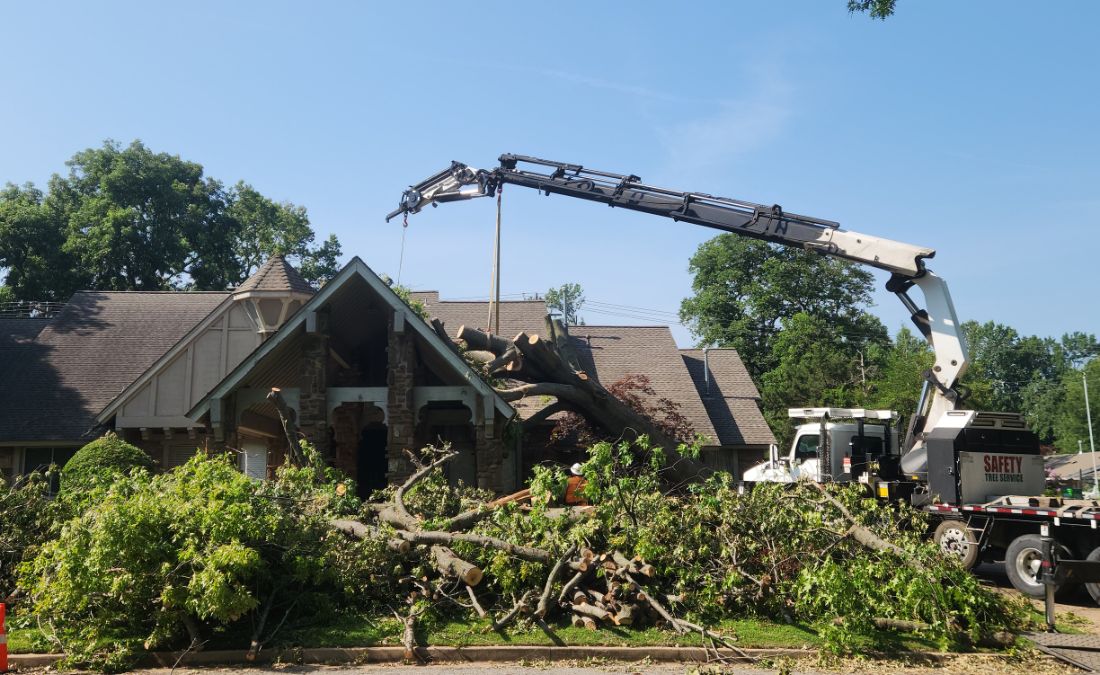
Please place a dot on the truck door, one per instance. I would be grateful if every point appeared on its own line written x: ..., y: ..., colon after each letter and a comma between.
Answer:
x: 805, y: 464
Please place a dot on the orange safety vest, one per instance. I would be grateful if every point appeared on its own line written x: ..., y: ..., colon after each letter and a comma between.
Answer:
x: 573, y: 488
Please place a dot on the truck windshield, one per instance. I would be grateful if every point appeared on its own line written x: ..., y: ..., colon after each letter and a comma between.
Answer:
x: 806, y: 448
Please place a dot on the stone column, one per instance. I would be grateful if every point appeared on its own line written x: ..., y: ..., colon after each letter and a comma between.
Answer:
x: 490, y: 453
x: 400, y: 371
x: 313, y: 368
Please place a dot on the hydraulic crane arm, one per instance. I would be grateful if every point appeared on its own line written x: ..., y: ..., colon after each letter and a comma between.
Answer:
x: 937, y: 322
x: 770, y: 223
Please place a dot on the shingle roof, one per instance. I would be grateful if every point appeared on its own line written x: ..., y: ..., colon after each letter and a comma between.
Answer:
x: 613, y: 352
x: 730, y: 396
x: 87, y: 354
x: 15, y: 331
x: 276, y: 275
x: 1070, y: 466
x: 515, y: 315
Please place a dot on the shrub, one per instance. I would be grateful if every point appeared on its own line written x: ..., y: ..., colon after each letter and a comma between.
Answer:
x: 27, y: 516
x: 164, y: 560
x: 104, y: 457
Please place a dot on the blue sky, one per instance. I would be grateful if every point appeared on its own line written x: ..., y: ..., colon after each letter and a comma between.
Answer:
x: 966, y: 127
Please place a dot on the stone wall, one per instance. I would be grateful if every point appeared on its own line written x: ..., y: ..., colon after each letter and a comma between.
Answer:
x: 312, y: 413
x: 489, y: 459
x: 400, y: 375
x: 347, y: 420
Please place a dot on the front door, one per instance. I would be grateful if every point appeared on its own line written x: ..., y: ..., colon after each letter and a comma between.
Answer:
x: 371, y: 460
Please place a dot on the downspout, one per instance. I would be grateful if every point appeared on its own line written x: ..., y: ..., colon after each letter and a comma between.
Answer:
x: 706, y: 371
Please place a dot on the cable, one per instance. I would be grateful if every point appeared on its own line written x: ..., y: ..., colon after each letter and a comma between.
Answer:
x: 401, y: 260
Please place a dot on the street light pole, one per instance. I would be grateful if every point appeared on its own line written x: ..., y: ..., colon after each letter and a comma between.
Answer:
x: 1092, y: 444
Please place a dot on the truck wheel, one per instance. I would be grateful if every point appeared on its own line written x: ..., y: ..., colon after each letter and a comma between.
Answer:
x: 1023, y: 564
x: 1094, y: 589
x: 956, y: 540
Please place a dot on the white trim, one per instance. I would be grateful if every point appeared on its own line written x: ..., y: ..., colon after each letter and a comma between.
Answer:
x: 376, y: 396
x: 148, y: 375
x: 360, y: 268
x: 162, y: 421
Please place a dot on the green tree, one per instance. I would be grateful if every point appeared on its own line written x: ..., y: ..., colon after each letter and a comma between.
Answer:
x: 128, y: 218
x: 264, y: 227
x: 900, y: 378
x: 32, y: 237
x: 1071, y: 423
x: 816, y: 367
x: 567, y: 299
x: 139, y: 220
x: 876, y: 9
x: 744, y: 288
x: 1025, y: 374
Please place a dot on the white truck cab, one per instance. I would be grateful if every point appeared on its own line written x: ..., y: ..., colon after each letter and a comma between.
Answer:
x: 849, y: 446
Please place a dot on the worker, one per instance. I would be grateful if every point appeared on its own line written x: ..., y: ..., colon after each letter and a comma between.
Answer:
x: 574, y: 486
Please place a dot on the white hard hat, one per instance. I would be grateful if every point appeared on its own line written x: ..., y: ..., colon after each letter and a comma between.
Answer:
x: 576, y: 469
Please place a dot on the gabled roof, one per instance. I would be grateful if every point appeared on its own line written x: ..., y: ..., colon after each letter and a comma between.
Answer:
x: 730, y: 396
x: 276, y: 275
x: 355, y: 268
x: 83, y: 357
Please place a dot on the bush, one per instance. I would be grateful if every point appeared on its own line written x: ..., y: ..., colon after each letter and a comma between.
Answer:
x: 159, y: 561
x: 27, y: 516
x: 104, y: 457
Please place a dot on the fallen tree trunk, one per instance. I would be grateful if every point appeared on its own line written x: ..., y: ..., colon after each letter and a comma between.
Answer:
x: 447, y: 562
x: 289, y: 419
x: 480, y: 340
x: 551, y: 367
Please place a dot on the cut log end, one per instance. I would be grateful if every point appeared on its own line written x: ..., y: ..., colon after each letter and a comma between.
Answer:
x: 473, y: 576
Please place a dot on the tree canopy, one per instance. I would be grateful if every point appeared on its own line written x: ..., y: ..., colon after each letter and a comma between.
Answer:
x: 744, y: 289
x: 876, y: 9
x: 128, y: 218
x: 567, y: 299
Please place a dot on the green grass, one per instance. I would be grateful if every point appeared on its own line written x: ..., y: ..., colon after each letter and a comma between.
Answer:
x: 29, y: 641
x: 364, y: 631
x: 354, y: 631
x: 1066, y: 622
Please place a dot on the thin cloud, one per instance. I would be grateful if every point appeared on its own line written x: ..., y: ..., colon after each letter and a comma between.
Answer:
x: 600, y: 83
x: 618, y: 87
x: 739, y: 126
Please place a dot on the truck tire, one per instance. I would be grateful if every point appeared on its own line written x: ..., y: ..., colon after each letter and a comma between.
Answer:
x: 1022, y: 564
x: 956, y: 540
x: 1094, y: 589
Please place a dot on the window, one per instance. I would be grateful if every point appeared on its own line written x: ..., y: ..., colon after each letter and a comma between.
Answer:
x: 806, y: 448
x: 253, y: 459
x: 8, y: 464
x: 40, y: 459
x: 869, y: 445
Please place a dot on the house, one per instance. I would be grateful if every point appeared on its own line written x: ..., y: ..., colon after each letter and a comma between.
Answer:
x: 367, y: 377
x: 173, y: 371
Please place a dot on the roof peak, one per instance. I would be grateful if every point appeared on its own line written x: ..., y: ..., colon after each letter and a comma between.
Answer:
x: 276, y: 274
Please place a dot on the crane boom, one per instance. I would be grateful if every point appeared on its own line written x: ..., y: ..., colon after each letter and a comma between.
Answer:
x: 905, y: 262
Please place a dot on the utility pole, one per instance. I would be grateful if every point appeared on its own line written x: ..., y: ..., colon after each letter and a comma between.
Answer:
x: 1092, y: 444
x: 494, y: 286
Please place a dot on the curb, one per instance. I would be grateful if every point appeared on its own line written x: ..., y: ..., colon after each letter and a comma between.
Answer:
x: 440, y: 654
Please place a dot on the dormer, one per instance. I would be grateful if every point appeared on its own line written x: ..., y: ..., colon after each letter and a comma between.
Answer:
x: 272, y: 295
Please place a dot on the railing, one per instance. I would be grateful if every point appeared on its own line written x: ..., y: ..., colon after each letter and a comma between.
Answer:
x: 29, y: 309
